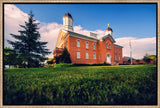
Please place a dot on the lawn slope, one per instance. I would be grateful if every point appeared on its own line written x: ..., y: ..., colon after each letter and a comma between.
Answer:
x: 136, y: 84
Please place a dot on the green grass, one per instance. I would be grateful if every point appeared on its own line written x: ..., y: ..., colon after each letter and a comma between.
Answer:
x: 125, y: 84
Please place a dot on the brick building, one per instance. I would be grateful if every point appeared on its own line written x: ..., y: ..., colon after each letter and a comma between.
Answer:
x: 85, y: 49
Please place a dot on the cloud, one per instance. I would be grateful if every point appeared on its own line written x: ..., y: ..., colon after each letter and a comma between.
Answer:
x: 140, y: 46
x: 79, y: 29
x: 13, y: 16
x: 49, y: 33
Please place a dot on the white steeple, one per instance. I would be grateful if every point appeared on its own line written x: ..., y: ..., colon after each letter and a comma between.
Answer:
x: 68, y: 22
x: 109, y: 31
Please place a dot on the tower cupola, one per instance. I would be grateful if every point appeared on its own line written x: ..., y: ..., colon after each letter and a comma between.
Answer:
x: 109, y: 31
x: 67, y: 22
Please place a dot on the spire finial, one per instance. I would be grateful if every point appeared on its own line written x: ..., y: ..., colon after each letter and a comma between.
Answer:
x: 108, y: 24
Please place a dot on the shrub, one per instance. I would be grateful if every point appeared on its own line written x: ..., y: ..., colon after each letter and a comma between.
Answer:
x: 63, y: 65
x: 65, y: 57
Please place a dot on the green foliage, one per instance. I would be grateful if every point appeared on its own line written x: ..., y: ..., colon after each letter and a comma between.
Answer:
x: 148, y: 58
x: 65, y: 57
x: 50, y: 61
x: 27, y: 44
x: 11, y: 58
x: 63, y: 65
x: 107, y: 85
x: 152, y: 57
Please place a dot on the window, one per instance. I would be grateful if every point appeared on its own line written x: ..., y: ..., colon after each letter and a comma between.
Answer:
x: 78, y: 43
x: 86, y: 55
x: 115, y: 50
x: 99, y: 46
x: 78, y: 54
x: 119, y: 58
x: 94, y: 55
x: 87, y: 45
x: 99, y: 56
x: 106, y: 45
x: 119, y: 50
x: 68, y: 22
x: 115, y: 57
x: 94, y: 46
x: 109, y: 46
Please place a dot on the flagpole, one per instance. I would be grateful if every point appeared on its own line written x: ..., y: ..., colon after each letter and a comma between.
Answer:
x: 130, y: 52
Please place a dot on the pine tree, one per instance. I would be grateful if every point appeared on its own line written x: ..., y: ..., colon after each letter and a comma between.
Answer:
x: 65, y: 57
x: 28, y: 43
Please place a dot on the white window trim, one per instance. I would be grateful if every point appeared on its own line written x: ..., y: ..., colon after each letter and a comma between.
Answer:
x: 78, y: 55
x: 87, y: 45
x: 106, y: 45
x: 78, y: 45
x: 87, y: 55
x: 94, y: 57
x: 115, y: 57
x: 94, y: 46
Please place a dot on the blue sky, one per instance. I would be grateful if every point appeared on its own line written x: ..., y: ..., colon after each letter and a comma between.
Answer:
x: 138, y: 20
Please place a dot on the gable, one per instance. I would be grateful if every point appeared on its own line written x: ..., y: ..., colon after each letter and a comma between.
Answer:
x: 61, y: 36
x: 109, y: 36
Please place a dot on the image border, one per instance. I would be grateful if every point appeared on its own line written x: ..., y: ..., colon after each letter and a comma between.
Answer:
x: 2, y: 2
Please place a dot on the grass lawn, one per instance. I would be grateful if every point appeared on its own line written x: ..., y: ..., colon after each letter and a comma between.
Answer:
x: 107, y: 85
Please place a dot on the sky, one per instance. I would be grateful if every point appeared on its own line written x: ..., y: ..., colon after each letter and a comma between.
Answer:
x: 130, y: 22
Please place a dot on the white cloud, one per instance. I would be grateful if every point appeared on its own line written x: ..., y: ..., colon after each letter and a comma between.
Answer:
x: 12, y: 18
x: 49, y: 33
x: 79, y: 29
x: 139, y: 46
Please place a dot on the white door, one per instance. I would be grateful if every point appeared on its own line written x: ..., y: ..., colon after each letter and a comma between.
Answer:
x: 108, y: 58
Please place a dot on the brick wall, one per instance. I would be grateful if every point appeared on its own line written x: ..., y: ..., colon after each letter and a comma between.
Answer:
x: 101, y: 51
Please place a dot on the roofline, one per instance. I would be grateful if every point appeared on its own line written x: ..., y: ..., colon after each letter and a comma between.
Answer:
x: 118, y: 46
x: 104, y: 37
x: 74, y: 34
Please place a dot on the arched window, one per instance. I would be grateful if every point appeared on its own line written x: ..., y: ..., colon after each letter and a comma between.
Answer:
x: 94, y: 46
x: 109, y: 46
x: 87, y: 45
x: 78, y: 43
x: 106, y: 45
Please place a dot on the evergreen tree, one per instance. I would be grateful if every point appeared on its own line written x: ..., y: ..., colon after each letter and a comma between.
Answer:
x: 65, y: 57
x: 28, y: 43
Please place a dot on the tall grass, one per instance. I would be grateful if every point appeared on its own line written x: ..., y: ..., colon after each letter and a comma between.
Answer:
x: 81, y: 85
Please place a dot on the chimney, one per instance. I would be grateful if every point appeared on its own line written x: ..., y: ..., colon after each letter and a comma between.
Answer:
x: 92, y: 34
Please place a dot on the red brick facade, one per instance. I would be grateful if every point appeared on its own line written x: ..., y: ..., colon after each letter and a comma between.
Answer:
x: 70, y: 42
x: 87, y: 49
